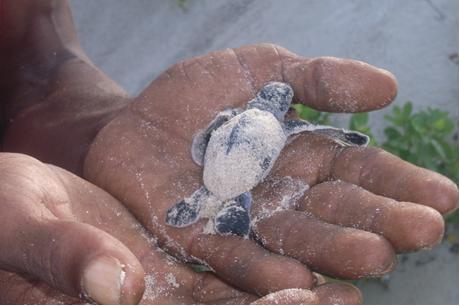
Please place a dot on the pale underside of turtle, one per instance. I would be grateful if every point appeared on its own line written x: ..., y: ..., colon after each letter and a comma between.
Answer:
x: 238, y: 150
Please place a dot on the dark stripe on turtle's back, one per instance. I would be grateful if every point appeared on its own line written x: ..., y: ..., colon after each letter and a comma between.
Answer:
x: 235, y: 137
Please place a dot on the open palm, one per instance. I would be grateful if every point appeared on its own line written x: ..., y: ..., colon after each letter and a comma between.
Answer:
x: 364, y: 205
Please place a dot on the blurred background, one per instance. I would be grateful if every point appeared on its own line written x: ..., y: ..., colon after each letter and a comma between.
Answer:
x: 417, y: 40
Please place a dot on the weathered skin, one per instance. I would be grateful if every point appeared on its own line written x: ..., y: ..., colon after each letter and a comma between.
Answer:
x: 142, y: 156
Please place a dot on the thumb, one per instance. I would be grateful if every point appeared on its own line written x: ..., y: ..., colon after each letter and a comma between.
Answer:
x: 75, y: 258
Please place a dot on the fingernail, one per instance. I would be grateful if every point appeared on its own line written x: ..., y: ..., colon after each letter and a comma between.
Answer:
x: 103, y: 279
x: 320, y: 279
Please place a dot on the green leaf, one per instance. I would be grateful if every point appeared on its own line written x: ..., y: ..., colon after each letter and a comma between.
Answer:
x: 443, y: 125
x: 453, y: 217
x: 312, y: 115
x: 438, y: 148
x: 407, y: 109
x: 392, y: 133
x: 419, y: 124
x: 359, y: 120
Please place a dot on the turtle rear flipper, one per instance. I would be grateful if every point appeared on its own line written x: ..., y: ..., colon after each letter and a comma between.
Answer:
x: 234, y: 218
x: 186, y: 212
x: 201, y: 139
x: 341, y: 136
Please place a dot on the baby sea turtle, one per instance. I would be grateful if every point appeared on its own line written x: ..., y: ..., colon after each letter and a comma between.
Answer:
x: 238, y: 150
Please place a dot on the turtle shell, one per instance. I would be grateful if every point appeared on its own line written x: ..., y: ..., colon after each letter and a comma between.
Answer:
x: 241, y: 153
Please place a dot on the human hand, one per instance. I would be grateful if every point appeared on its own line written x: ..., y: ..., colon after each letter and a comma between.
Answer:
x: 364, y: 204
x: 57, y: 117
x: 62, y: 239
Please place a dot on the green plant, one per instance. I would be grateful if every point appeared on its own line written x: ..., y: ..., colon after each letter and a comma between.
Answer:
x: 312, y: 115
x: 423, y: 138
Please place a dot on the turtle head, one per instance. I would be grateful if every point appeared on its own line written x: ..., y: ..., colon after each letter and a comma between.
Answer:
x: 274, y: 97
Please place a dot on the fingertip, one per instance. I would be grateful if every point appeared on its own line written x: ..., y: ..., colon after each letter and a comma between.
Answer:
x: 108, y: 272
x: 390, y: 82
x: 338, y: 293
x: 133, y: 285
x: 378, y: 259
x: 289, y: 297
x: 298, y: 276
x: 431, y: 229
x: 383, y: 258
x: 106, y: 280
x: 448, y: 196
x: 345, y: 85
x: 422, y: 227
x: 388, y: 175
x: 433, y: 190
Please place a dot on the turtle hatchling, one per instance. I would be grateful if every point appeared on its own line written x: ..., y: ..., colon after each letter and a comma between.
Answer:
x: 238, y: 150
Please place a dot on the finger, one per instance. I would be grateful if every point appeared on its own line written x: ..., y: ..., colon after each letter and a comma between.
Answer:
x: 172, y: 282
x: 317, y: 158
x: 15, y: 289
x: 211, y: 290
x: 327, y: 294
x: 338, y: 293
x: 289, y: 297
x: 77, y: 259
x: 229, y: 78
x: 407, y: 226
x: 385, y: 174
x: 325, y: 83
x: 330, y: 249
x: 246, y: 265
x: 324, y: 247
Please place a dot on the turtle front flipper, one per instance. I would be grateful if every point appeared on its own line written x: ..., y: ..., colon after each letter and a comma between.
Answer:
x: 234, y: 218
x: 292, y: 127
x: 186, y: 212
x: 201, y: 139
x: 341, y: 136
x: 344, y: 137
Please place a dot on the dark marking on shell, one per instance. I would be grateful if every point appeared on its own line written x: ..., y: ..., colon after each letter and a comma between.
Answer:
x: 202, y: 138
x: 235, y: 135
